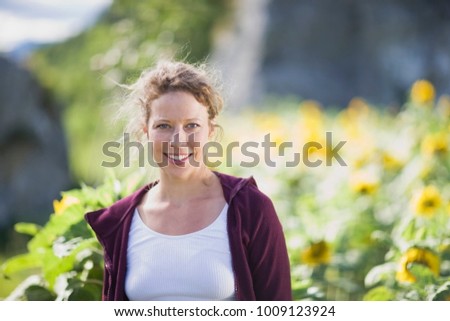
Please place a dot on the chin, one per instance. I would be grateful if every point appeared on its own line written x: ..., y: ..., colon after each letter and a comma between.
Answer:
x: 178, y: 173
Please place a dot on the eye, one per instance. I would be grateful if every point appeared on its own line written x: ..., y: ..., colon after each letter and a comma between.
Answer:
x: 192, y: 125
x: 162, y: 126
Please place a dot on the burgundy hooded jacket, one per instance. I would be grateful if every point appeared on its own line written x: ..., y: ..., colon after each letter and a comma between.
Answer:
x: 257, y: 245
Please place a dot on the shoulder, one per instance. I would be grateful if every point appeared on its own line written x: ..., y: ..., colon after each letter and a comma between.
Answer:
x: 241, y: 188
x: 106, y: 220
x: 232, y: 183
x: 247, y: 200
x: 260, y: 207
x: 254, y: 196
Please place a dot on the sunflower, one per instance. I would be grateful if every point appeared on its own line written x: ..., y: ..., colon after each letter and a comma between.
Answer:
x: 311, y: 117
x: 273, y: 124
x: 316, y: 254
x: 364, y: 182
x: 415, y: 255
x: 390, y: 162
x: 427, y: 201
x: 422, y: 92
x: 67, y: 201
x: 435, y: 144
x: 356, y: 110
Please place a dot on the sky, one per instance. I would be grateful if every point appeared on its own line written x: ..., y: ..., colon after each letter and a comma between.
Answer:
x: 44, y: 21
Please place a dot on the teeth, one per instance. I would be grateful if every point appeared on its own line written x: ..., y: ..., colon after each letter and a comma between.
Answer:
x: 178, y: 157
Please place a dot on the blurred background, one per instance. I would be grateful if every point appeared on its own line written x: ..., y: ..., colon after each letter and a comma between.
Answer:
x: 374, y: 73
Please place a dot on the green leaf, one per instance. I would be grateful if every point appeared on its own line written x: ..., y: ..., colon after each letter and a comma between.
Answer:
x: 39, y: 293
x: 422, y: 273
x: 89, y: 292
x: 27, y: 228
x: 21, y: 262
x: 91, y: 245
x: 83, y: 291
x: 422, y: 233
x: 55, y: 266
x: 379, y: 273
x: 410, y: 229
x: 56, y: 227
x: 299, y: 293
x: 443, y: 293
x: 106, y: 198
x: 380, y: 293
x: 78, y: 230
x: 19, y: 292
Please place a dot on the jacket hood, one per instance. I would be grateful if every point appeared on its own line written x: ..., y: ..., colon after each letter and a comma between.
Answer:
x: 106, y: 220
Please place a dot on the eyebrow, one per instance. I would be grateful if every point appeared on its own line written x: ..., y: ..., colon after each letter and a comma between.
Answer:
x: 168, y: 120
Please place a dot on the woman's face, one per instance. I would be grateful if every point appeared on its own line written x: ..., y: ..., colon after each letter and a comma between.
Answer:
x: 177, y: 130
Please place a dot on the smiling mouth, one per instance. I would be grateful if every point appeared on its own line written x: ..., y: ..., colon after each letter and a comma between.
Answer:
x: 178, y: 158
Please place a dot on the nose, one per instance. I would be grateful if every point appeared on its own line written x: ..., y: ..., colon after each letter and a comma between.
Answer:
x: 179, y: 137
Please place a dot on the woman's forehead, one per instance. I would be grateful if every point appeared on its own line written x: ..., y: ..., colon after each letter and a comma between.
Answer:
x: 178, y: 105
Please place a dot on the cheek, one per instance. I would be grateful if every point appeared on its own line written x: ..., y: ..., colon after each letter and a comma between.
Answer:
x: 157, y: 145
x: 158, y: 136
x: 199, y: 139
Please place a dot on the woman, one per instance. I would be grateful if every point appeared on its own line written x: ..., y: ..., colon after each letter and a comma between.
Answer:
x: 194, y: 234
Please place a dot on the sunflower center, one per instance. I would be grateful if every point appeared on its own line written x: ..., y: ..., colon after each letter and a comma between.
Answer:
x: 430, y: 203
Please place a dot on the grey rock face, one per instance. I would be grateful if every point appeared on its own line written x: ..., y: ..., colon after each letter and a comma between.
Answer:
x: 33, y: 156
x: 332, y: 50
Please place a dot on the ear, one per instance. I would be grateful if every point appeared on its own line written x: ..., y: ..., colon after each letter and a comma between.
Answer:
x: 145, y: 130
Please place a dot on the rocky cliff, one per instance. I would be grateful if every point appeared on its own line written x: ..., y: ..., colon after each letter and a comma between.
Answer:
x: 33, y: 154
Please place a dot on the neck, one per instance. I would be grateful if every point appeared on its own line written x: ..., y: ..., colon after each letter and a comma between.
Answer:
x: 178, y: 190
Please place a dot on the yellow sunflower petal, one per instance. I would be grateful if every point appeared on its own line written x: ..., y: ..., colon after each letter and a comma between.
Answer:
x: 427, y: 201
x: 60, y: 206
x: 316, y: 254
x: 418, y: 256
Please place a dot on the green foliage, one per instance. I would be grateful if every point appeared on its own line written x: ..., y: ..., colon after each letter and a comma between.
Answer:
x: 443, y: 293
x: 384, y: 217
x: 380, y: 293
x: 64, y: 255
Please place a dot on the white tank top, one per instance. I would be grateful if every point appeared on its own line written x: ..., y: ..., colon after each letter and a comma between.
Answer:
x: 190, y: 267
